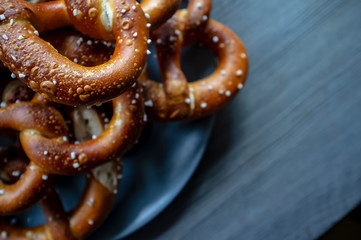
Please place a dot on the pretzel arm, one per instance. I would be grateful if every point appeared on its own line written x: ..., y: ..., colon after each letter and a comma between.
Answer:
x: 67, y: 158
x: 97, y: 199
x: 159, y: 11
x: 53, y: 12
x: 230, y: 74
x: 197, y: 15
x: 174, y: 87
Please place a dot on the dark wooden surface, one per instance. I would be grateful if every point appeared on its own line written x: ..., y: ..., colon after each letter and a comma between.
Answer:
x: 284, y: 159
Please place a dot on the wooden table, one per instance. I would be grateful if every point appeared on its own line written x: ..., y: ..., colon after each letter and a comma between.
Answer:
x: 284, y: 158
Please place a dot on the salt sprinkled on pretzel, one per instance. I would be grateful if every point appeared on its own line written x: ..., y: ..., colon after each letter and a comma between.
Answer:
x: 95, y: 203
x: 176, y: 99
x: 123, y: 130
x: 34, y: 119
x: 157, y: 12
x: 40, y: 66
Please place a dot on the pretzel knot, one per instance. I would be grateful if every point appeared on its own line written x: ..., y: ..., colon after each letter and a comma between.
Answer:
x: 176, y: 99
x: 41, y: 67
x: 34, y: 119
x: 65, y: 158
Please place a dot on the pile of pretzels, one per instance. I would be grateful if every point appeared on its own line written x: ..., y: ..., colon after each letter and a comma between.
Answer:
x: 76, y: 96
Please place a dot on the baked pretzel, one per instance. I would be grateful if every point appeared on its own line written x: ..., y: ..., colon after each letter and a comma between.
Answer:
x: 176, y: 99
x: 33, y: 119
x: 93, y: 207
x: 65, y: 158
x: 41, y: 67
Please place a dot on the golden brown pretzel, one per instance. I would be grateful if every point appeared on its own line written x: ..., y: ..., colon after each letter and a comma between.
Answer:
x: 176, y: 99
x: 34, y: 119
x: 92, y: 209
x: 70, y: 158
x: 42, y: 68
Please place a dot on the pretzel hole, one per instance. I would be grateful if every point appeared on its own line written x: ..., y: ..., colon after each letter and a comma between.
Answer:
x: 197, y: 62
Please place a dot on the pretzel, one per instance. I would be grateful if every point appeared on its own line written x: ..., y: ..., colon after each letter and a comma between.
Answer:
x: 92, y: 209
x: 65, y: 158
x: 41, y: 67
x: 176, y: 99
x: 33, y: 119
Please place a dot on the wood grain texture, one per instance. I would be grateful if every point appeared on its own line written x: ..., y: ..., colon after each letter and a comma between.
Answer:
x: 284, y: 159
